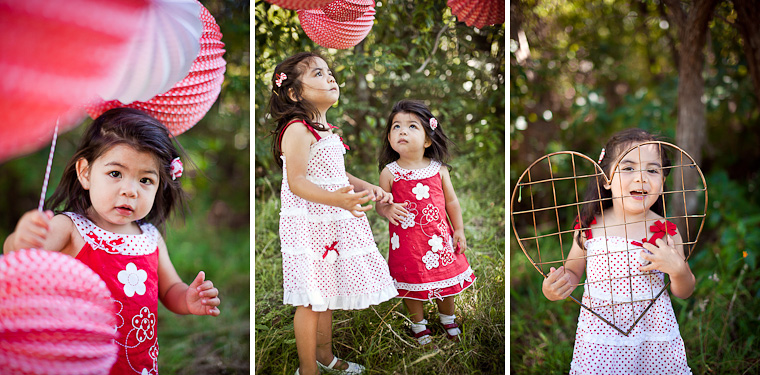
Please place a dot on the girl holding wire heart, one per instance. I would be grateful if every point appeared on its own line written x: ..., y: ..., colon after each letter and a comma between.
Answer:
x: 626, y: 247
x: 120, y: 186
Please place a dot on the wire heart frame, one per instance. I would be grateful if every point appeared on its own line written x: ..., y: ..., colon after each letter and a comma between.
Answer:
x: 546, y: 204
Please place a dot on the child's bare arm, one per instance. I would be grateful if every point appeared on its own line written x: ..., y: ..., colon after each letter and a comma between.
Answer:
x: 198, y: 298
x: 562, y: 281
x: 295, y: 147
x: 453, y: 210
x: 378, y: 193
x: 42, y: 230
x: 394, y: 212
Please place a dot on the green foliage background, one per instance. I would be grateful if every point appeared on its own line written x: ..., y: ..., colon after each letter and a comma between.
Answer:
x: 463, y: 82
x: 596, y: 68
x: 214, y: 236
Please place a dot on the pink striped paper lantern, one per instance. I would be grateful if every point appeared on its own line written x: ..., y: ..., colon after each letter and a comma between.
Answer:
x: 56, y: 316
x: 54, y: 57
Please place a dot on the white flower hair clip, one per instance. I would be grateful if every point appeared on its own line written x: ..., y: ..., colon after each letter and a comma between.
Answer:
x: 433, y: 123
x: 175, y: 169
x: 280, y: 78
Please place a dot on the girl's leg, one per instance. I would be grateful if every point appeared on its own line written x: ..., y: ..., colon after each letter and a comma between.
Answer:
x: 419, y: 324
x: 305, y: 326
x: 324, y: 341
x: 446, y: 315
x: 446, y: 306
x: 414, y: 308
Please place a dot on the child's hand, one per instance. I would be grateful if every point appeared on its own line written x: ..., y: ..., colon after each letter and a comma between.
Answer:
x: 557, y: 285
x: 353, y: 201
x: 381, y: 196
x: 397, y: 212
x: 460, y: 243
x: 664, y: 257
x: 31, y: 230
x: 202, y: 298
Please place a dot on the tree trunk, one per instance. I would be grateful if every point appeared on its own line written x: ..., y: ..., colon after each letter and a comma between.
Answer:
x: 748, y: 14
x: 691, y: 129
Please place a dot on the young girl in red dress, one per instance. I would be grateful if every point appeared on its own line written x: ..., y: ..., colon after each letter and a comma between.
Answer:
x: 426, y: 229
x: 329, y: 257
x: 610, y: 244
x: 120, y: 186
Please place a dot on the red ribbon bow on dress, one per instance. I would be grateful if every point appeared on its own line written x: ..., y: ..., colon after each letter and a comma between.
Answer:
x: 341, y: 138
x: 658, y: 231
x: 328, y: 256
x: 107, y: 246
x: 401, y: 176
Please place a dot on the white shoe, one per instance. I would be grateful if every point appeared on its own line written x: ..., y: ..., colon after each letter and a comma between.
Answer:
x: 353, y: 368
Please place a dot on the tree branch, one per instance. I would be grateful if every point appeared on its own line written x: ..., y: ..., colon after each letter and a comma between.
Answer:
x: 435, y: 48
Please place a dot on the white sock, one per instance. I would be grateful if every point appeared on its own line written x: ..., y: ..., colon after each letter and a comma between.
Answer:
x: 449, y: 319
x: 419, y: 327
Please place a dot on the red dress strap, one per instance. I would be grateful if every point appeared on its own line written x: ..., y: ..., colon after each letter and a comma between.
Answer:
x: 279, y: 137
x: 587, y: 232
x: 311, y: 129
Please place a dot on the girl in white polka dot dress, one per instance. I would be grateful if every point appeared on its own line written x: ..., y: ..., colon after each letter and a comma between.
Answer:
x: 121, y: 184
x: 329, y: 257
x: 625, y: 246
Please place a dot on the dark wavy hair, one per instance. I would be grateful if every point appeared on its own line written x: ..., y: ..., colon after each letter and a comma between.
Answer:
x: 439, y: 148
x: 597, y: 196
x: 136, y: 129
x: 282, y: 108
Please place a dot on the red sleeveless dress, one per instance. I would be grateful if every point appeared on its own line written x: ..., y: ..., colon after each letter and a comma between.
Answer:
x: 129, y: 266
x: 422, y: 258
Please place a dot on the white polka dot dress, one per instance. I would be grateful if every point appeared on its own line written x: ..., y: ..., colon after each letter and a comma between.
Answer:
x: 654, y: 346
x: 329, y: 257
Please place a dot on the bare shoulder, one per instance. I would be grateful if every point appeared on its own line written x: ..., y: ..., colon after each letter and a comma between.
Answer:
x: 63, y: 236
x: 444, y: 171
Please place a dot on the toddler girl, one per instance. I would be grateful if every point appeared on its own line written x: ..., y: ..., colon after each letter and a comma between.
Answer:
x: 329, y: 257
x: 427, y: 231
x: 117, y: 189
x: 616, y: 231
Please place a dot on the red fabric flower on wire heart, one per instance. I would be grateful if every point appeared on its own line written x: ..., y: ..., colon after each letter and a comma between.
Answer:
x: 659, y: 229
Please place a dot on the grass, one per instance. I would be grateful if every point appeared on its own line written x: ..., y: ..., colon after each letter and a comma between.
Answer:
x: 201, y: 344
x: 378, y: 337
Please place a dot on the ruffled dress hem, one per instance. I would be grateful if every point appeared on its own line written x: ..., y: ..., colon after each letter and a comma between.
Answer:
x: 356, y: 302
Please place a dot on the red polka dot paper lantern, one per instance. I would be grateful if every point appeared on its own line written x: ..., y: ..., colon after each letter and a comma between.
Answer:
x: 56, y: 316
x: 347, y: 10
x: 54, y: 56
x: 299, y: 4
x: 189, y: 100
x: 478, y: 13
x: 329, y: 33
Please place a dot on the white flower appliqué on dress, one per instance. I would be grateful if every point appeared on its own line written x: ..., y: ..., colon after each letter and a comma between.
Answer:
x: 133, y: 280
x: 145, y: 324
x: 394, y: 241
x: 431, y: 260
x: 436, y: 243
x: 408, y: 221
x: 421, y: 191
